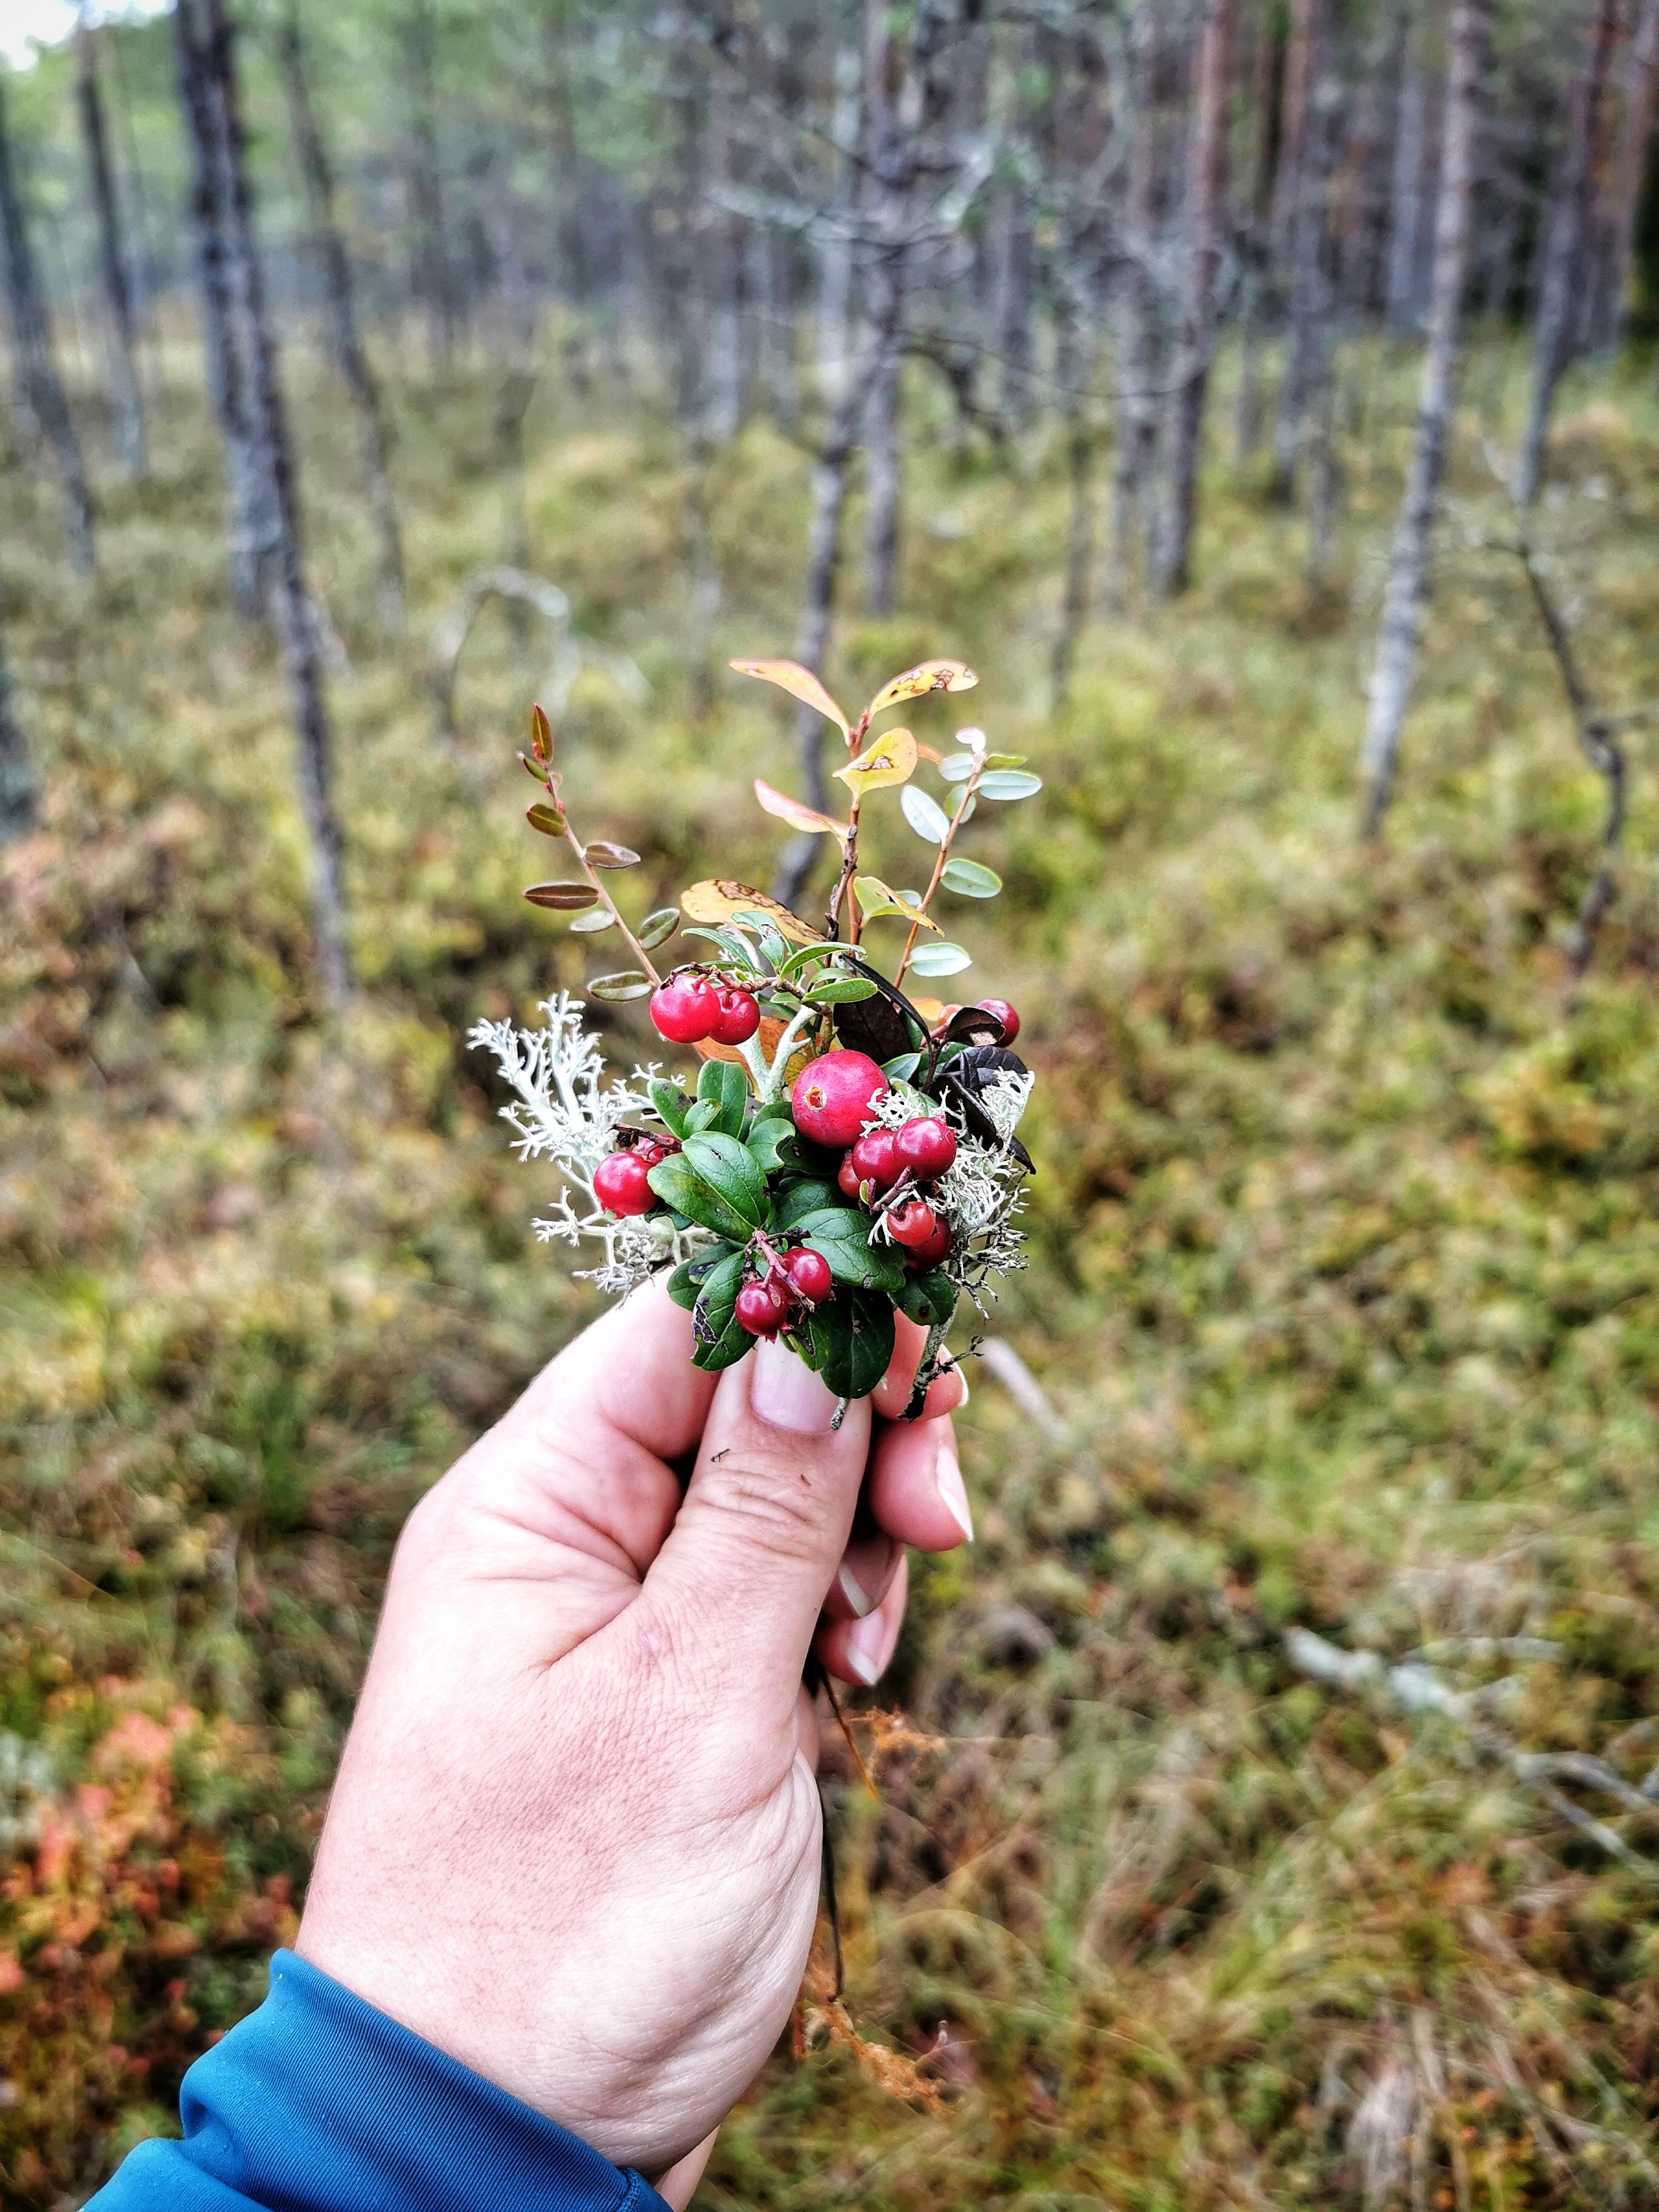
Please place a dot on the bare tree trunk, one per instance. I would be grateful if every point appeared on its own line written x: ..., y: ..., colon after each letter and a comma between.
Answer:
x: 1310, y: 132
x: 40, y: 386
x: 112, y: 256
x: 1135, y: 338
x: 206, y: 37
x: 1407, y: 591
x: 1074, y: 365
x: 1559, y: 289
x: 433, y: 284
x: 1254, y: 246
x: 835, y: 251
x: 891, y: 159
x: 1629, y: 169
x: 1406, y: 191
x: 1206, y: 207
x: 321, y: 199
x: 19, y: 792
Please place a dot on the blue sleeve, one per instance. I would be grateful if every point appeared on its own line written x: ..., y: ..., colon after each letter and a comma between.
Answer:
x: 318, y: 2103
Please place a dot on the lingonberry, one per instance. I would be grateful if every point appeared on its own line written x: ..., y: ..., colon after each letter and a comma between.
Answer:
x: 760, y: 1309
x: 934, y: 1252
x: 913, y: 1224
x: 833, y: 1095
x: 809, y: 1276
x: 875, y: 1160
x: 927, y: 1147
x: 738, y: 1017
x: 1006, y: 1014
x: 685, y: 1008
x: 846, y: 1178
x: 649, y: 1151
x: 620, y: 1185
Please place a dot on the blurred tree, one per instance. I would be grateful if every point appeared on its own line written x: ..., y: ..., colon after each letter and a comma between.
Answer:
x: 112, y: 252
x: 18, y: 790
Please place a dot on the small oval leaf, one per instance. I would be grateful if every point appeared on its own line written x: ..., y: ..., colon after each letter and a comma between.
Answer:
x: 541, y: 734
x: 628, y: 983
x: 601, y: 853
x: 563, y: 898
x: 1009, y: 783
x: 926, y: 676
x: 719, y: 897
x: 657, y: 929
x: 924, y: 814
x: 888, y: 759
x: 547, y: 819
x: 941, y: 959
x: 600, y: 917
x: 956, y: 768
x: 969, y: 879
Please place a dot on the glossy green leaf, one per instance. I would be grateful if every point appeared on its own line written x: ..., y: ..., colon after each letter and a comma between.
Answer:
x: 773, y: 1142
x: 724, y: 1084
x: 841, y: 1235
x: 902, y: 1067
x: 969, y: 879
x: 548, y: 819
x: 945, y: 959
x: 802, y: 1198
x: 679, y: 1186
x: 859, y: 1325
x: 1009, y: 783
x: 657, y: 929
x: 628, y: 984
x: 924, y: 814
x: 597, y: 918
x: 687, y: 1282
x: 840, y: 991
x: 930, y: 1299
x: 727, y: 1166
x: 670, y: 1103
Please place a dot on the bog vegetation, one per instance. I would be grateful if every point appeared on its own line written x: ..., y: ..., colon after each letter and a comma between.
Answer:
x: 1268, y: 1812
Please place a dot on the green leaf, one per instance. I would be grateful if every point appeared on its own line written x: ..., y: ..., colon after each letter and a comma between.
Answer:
x: 803, y: 1198
x: 969, y: 879
x: 924, y: 814
x: 1005, y: 759
x: 702, y: 1115
x: 687, y: 1282
x: 677, y: 1184
x: 1009, y: 783
x: 898, y: 1069
x: 599, y: 918
x: 547, y: 819
x: 715, y: 1352
x: 657, y: 929
x: 724, y: 1084
x: 840, y: 990
x: 840, y: 1233
x: 958, y: 767
x: 772, y: 1140
x: 930, y: 1299
x: 628, y: 984
x: 738, y: 951
x: 670, y: 1103
x: 563, y: 898
x: 959, y: 806
x: 860, y: 1332
x: 945, y: 959
x: 730, y: 1168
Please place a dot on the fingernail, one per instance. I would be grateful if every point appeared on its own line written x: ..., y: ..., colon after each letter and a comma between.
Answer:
x: 784, y: 1391
x: 858, y: 1598
x: 869, y: 1646
x: 952, y: 1490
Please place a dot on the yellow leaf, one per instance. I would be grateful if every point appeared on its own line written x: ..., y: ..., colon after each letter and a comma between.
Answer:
x: 798, y: 681
x: 877, y: 898
x: 794, y: 813
x: 890, y: 758
x: 933, y: 1010
x: 719, y: 897
x: 926, y: 676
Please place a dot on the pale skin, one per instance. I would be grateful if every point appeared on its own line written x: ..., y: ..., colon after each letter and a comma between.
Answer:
x: 575, y: 1840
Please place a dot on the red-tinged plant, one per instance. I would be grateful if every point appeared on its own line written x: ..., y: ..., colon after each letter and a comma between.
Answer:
x: 847, y: 1152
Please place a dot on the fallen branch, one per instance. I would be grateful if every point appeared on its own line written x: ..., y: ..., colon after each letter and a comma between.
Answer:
x: 569, y: 651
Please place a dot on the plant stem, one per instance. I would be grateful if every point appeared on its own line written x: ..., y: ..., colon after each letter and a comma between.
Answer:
x: 780, y: 1057
x: 583, y: 863
x: 945, y: 843
x: 849, y: 851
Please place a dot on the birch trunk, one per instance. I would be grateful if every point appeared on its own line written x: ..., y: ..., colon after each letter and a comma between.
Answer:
x: 836, y: 250
x: 1135, y: 316
x: 1407, y: 591
x: 889, y: 160
x: 18, y: 790
x: 1309, y: 135
x: 1206, y: 208
x: 128, y: 407
x: 433, y: 285
x: 206, y: 28
x: 1559, y: 289
x: 1629, y: 170
x: 1406, y: 192
x: 40, y: 386
x: 322, y: 203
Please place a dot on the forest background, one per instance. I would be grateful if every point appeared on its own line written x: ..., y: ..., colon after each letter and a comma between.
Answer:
x: 1261, y: 394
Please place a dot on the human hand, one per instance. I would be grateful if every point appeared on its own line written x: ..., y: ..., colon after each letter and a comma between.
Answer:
x: 575, y: 1837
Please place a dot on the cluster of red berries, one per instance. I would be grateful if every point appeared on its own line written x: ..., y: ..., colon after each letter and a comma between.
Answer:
x: 800, y: 1278
x: 922, y: 1148
x: 621, y: 1181
x: 687, y: 1009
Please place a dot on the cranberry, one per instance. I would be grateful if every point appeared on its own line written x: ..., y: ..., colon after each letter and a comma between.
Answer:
x: 648, y: 1152
x: 934, y: 1252
x: 927, y: 1147
x: 760, y: 1309
x: 1006, y: 1014
x: 620, y: 1185
x: 833, y: 1095
x: 874, y: 1159
x: 846, y: 1178
x: 913, y: 1224
x: 685, y: 1008
x: 809, y: 1276
x: 738, y: 1017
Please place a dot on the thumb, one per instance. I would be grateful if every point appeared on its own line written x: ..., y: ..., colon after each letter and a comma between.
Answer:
x: 757, y: 1540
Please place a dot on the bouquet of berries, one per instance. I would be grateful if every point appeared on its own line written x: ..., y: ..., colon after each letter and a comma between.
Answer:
x: 846, y: 1150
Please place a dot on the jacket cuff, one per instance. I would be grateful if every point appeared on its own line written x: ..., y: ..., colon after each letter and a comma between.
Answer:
x: 316, y: 2102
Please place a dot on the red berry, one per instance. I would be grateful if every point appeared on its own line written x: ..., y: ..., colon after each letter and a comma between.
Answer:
x: 927, y: 1147
x: 760, y: 1309
x: 846, y: 1178
x: 912, y: 1224
x: 833, y: 1095
x: 934, y: 1252
x: 1006, y: 1014
x: 620, y: 1185
x: 809, y: 1276
x: 874, y: 1159
x: 648, y: 1152
x: 738, y: 1017
x: 685, y: 1008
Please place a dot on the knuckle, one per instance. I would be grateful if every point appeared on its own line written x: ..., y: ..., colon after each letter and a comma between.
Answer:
x: 779, y: 1510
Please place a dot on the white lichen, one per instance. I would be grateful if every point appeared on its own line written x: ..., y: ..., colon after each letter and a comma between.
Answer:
x: 981, y: 1193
